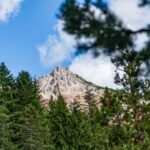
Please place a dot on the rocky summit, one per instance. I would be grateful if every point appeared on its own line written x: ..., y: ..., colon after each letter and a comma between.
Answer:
x: 67, y: 84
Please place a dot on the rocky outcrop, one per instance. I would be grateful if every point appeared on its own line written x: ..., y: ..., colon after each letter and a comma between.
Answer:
x: 67, y: 84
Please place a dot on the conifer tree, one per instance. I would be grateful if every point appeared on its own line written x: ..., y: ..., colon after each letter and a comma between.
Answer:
x: 130, y: 106
x: 28, y: 119
x: 5, y: 127
x: 6, y: 78
x: 90, y: 100
x: 27, y: 89
x: 33, y: 133
x: 6, y: 100
x: 60, y: 119
x: 7, y: 86
x: 81, y: 131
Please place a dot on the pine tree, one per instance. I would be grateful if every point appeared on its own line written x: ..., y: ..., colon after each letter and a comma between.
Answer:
x: 70, y: 129
x: 81, y: 131
x: 28, y: 119
x: 33, y: 134
x: 109, y: 32
x: 7, y: 85
x: 90, y: 100
x: 5, y: 128
x: 27, y: 89
x: 137, y: 92
x: 6, y: 101
x: 128, y: 109
x: 6, y: 78
x: 60, y: 119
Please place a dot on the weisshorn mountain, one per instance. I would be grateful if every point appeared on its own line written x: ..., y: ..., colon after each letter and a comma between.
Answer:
x: 72, y: 87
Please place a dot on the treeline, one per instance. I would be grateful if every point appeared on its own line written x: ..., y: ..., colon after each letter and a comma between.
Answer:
x: 120, y: 123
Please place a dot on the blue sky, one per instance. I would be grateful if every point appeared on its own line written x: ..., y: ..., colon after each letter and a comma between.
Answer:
x: 32, y: 39
x: 20, y: 35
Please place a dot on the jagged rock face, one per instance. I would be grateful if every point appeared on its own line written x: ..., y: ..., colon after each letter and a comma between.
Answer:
x: 67, y: 84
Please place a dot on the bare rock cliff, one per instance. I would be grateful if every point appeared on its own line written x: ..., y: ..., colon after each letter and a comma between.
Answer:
x: 67, y: 84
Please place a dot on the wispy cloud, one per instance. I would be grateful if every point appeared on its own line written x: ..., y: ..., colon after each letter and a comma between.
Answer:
x: 9, y: 8
x: 98, y: 70
x: 57, y: 48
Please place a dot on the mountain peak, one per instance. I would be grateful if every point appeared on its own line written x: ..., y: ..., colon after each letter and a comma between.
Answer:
x: 59, y: 71
x: 67, y: 84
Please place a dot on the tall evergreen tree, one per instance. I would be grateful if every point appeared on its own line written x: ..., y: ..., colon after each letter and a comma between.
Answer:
x: 27, y: 89
x: 33, y: 132
x: 7, y: 86
x: 28, y: 113
x: 6, y: 102
x: 6, y: 78
x: 5, y: 127
x: 90, y: 100
x: 60, y: 119
x: 70, y: 128
x: 81, y: 131
x: 128, y: 110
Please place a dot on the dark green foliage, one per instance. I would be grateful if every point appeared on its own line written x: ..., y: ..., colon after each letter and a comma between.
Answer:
x: 144, y: 2
x: 6, y: 99
x: 80, y: 21
x: 110, y: 34
x: 22, y: 120
x: 29, y: 121
x: 25, y: 124
x: 91, y: 101
x: 5, y: 130
x: 70, y: 130
x: 33, y: 134
x: 127, y: 111
x: 27, y: 89
x: 59, y: 117
x: 124, y: 114
x: 6, y: 79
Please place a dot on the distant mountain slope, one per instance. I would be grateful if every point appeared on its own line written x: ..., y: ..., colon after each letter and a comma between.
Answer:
x: 67, y: 84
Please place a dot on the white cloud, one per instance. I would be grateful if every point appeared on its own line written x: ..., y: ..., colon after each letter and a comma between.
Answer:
x: 57, y: 48
x: 9, y: 8
x: 140, y: 41
x: 98, y: 70
x: 133, y: 16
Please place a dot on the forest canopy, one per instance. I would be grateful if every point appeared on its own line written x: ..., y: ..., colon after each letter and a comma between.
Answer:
x: 121, y: 122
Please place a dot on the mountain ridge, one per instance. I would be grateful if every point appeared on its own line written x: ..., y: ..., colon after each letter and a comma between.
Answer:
x: 71, y: 86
